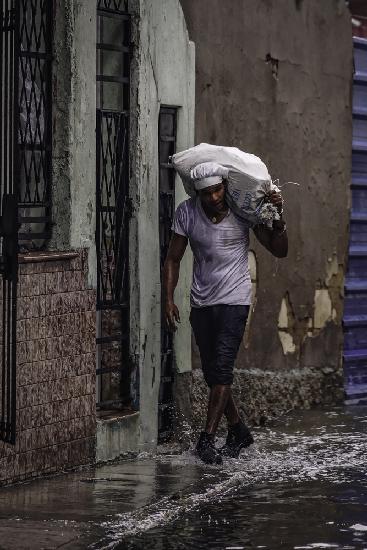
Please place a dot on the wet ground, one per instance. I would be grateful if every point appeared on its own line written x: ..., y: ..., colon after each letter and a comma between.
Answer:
x: 303, y: 485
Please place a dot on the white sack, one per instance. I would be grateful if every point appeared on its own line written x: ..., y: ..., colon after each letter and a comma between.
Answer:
x: 248, y: 179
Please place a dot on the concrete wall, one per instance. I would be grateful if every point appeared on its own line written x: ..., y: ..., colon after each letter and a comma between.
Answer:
x: 74, y: 124
x: 273, y: 77
x: 162, y: 74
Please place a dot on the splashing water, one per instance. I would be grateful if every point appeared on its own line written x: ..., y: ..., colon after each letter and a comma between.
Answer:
x: 302, y: 485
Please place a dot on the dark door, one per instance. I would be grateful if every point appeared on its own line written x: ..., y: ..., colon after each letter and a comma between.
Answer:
x: 167, y: 147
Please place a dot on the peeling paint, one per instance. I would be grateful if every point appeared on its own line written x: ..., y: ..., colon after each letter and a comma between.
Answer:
x: 322, y: 308
x: 287, y: 342
x: 334, y: 281
x: 327, y: 307
x: 332, y: 268
x: 286, y: 314
x: 286, y: 326
x: 283, y: 315
x: 274, y: 63
x: 293, y: 330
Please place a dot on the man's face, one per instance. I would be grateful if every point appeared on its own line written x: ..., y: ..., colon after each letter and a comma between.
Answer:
x: 213, y: 197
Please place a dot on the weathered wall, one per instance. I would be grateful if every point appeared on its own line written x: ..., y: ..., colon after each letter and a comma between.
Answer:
x: 56, y: 308
x: 56, y: 411
x: 74, y: 124
x: 162, y: 74
x: 273, y: 77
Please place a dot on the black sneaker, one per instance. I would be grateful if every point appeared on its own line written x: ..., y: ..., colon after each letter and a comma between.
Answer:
x: 239, y: 437
x: 206, y: 451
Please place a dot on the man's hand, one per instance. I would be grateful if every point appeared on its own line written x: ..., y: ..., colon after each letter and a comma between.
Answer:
x: 172, y: 316
x: 277, y: 200
x: 171, y: 272
x: 275, y: 240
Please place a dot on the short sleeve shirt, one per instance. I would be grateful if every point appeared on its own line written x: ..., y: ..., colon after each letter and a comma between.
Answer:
x: 221, y: 274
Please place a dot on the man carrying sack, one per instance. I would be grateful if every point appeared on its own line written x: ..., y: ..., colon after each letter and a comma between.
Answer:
x: 220, y: 293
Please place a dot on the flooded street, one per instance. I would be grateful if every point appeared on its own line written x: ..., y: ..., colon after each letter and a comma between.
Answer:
x: 302, y: 486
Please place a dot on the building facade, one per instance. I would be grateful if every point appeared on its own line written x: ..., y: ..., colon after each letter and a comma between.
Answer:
x: 94, y: 99
x: 95, y: 96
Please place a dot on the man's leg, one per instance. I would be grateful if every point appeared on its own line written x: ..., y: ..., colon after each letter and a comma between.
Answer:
x: 239, y: 436
x: 204, y: 327
x: 201, y: 320
x: 225, y: 331
x: 231, y: 411
x: 218, y: 403
x: 233, y: 322
x: 218, y: 332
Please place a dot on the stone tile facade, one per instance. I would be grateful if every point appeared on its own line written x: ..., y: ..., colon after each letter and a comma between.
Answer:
x: 56, y: 410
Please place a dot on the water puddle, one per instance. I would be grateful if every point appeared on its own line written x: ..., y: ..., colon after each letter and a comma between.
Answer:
x: 303, y: 485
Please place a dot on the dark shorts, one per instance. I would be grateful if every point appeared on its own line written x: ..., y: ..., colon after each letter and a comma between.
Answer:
x: 218, y: 333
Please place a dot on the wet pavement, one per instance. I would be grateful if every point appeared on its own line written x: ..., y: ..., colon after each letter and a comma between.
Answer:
x: 303, y: 485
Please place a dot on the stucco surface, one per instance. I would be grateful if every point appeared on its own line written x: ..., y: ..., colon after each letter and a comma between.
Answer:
x: 74, y: 127
x: 162, y: 74
x: 273, y: 77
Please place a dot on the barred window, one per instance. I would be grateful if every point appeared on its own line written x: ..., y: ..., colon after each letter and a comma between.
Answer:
x: 35, y: 122
x: 112, y: 204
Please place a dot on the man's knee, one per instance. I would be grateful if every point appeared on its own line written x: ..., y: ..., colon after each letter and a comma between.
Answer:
x: 219, y: 377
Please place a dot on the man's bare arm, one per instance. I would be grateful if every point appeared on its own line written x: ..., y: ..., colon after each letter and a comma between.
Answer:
x: 171, y: 272
x: 275, y: 240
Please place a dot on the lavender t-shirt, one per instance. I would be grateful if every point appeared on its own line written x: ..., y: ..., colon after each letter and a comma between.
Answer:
x: 221, y: 274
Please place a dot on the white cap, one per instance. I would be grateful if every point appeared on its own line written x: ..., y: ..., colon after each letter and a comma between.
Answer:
x: 207, y: 174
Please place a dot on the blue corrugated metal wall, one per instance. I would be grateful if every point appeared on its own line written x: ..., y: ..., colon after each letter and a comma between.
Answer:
x: 355, y: 312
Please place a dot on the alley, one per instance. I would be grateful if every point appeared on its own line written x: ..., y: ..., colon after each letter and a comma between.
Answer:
x: 303, y: 485
x: 141, y: 298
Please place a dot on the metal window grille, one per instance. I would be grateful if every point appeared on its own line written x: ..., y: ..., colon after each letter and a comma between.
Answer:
x: 9, y: 177
x: 115, y: 6
x: 167, y: 147
x: 25, y: 166
x: 35, y: 122
x: 113, y: 205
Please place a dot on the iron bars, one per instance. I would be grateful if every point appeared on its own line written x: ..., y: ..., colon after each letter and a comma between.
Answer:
x: 113, y: 206
x: 9, y: 177
x: 35, y: 122
x: 115, y: 6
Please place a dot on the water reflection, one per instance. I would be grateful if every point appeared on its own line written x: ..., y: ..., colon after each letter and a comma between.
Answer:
x: 303, y: 485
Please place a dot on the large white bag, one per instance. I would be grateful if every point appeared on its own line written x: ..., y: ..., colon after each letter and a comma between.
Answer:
x: 248, y: 179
